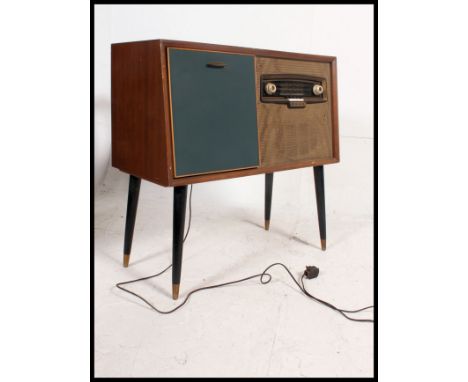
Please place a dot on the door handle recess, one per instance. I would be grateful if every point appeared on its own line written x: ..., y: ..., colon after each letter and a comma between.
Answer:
x: 218, y: 65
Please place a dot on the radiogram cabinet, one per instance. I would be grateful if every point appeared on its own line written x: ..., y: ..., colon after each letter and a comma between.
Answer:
x: 185, y: 112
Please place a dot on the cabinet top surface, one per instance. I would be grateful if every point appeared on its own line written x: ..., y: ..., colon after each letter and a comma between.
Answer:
x: 229, y: 48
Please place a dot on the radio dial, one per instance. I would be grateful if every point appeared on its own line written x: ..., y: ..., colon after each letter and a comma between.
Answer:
x: 270, y: 88
x: 317, y: 89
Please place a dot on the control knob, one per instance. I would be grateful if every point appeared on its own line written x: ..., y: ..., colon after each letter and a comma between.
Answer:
x: 317, y: 89
x: 270, y: 88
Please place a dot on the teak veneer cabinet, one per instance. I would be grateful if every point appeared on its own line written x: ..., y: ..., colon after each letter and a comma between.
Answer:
x: 185, y: 112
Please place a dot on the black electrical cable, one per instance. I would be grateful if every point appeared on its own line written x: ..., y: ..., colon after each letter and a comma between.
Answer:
x: 261, y: 275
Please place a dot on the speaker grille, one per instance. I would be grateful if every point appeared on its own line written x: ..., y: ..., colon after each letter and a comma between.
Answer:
x: 293, y: 135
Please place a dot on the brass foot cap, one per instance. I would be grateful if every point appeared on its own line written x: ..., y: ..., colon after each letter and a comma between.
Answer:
x: 175, y: 291
x: 324, y: 244
x: 126, y: 260
x: 267, y: 225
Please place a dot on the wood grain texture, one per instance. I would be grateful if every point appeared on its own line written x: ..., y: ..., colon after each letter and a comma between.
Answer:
x: 138, y: 133
x: 234, y: 49
x: 247, y: 172
x: 293, y: 135
x: 334, y: 106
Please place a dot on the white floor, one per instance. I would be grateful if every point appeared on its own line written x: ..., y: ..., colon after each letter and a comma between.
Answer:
x: 249, y: 329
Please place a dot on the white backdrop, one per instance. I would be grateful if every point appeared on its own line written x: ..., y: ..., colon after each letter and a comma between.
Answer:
x: 336, y: 30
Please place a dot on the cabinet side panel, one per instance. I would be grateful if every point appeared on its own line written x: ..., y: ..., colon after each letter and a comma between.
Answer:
x: 138, y: 125
x: 334, y: 94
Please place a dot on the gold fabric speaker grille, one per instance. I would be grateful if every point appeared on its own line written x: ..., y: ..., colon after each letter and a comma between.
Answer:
x: 293, y: 135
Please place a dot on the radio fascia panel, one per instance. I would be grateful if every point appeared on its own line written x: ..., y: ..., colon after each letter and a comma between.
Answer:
x: 292, y: 89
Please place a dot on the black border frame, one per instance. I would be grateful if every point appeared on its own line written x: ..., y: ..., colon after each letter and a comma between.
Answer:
x: 375, y: 190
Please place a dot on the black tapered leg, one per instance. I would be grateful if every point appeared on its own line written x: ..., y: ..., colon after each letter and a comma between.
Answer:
x: 320, y: 195
x: 132, y: 205
x: 180, y: 201
x: 268, y: 192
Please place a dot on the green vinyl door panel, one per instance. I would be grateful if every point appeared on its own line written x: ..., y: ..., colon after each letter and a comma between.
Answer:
x: 214, y: 117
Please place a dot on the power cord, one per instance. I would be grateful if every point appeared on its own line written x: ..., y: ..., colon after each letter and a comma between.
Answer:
x: 310, y: 272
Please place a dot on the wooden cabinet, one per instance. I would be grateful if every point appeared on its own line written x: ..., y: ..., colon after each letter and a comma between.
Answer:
x: 169, y: 107
x: 184, y: 113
